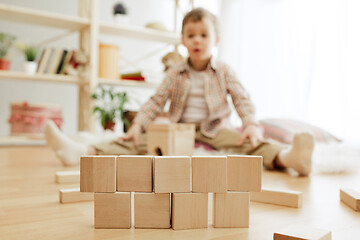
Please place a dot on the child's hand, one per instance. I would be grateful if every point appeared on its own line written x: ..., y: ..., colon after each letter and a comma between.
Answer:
x: 133, y: 133
x: 252, y: 132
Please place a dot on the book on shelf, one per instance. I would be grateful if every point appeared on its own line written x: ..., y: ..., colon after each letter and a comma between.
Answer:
x: 65, y: 63
x: 135, y: 76
x: 61, y: 62
x: 49, y: 60
x: 43, y: 60
x: 55, y: 60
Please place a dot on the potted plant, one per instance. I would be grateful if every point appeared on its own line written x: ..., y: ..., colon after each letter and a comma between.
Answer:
x: 30, y: 53
x: 110, y: 106
x: 6, y: 41
x: 120, y: 13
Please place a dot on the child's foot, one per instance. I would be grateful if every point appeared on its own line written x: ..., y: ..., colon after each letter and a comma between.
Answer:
x: 298, y: 156
x: 68, y: 151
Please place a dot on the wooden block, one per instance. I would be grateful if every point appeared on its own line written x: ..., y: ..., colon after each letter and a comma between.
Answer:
x: 171, y: 174
x: 231, y: 210
x: 209, y: 174
x: 184, y: 139
x: 302, y: 233
x: 171, y: 139
x: 67, y: 177
x: 189, y: 210
x: 351, y: 198
x: 134, y: 174
x: 98, y: 174
x: 112, y: 210
x: 152, y: 210
x: 160, y: 139
x: 278, y: 197
x: 72, y: 195
x: 244, y: 173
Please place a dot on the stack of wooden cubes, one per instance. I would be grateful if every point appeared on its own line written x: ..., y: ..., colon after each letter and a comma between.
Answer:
x: 171, y: 191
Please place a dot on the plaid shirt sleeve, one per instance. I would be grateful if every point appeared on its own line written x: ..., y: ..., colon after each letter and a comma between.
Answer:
x: 241, y: 98
x: 155, y: 105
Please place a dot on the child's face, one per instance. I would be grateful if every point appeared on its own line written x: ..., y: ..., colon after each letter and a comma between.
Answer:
x: 199, y: 38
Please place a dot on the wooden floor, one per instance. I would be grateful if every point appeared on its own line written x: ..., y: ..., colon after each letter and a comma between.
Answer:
x: 30, y: 209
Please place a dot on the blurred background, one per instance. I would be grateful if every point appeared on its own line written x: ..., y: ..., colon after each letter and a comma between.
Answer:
x: 297, y: 59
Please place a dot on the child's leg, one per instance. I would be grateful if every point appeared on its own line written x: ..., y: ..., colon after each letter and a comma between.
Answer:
x: 297, y: 156
x: 122, y: 148
x: 67, y: 150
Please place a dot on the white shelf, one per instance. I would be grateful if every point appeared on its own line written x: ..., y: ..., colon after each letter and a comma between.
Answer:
x: 139, y: 33
x: 55, y: 78
x: 31, y: 16
x: 127, y: 83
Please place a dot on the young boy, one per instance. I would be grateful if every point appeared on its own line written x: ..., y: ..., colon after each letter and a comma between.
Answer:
x: 197, y: 89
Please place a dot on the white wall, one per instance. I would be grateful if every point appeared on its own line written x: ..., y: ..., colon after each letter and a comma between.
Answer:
x: 298, y: 59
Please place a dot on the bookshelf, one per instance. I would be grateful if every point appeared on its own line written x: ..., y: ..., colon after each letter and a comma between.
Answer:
x: 90, y: 28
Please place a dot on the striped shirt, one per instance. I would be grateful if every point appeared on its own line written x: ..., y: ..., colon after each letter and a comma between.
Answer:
x: 196, y: 109
x: 220, y: 82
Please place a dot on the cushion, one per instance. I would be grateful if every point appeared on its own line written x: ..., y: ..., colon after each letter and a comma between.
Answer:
x: 283, y: 130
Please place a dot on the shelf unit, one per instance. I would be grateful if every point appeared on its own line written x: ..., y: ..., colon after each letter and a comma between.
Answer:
x: 89, y: 27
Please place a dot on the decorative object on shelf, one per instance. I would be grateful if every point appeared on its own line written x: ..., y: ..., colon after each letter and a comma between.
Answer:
x: 108, y: 61
x: 110, y: 106
x: 6, y: 42
x: 120, y: 14
x: 157, y: 26
x: 28, y: 119
x: 77, y: 64
x: 30, y: 53
x: 170, y: 59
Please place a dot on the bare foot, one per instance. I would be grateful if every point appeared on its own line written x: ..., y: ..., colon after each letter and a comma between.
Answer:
x: 67, y: 150
x: 298, y: 156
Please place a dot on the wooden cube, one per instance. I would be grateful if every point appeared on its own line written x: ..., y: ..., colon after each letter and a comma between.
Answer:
x: 302, y: 233
x: 134, y: 174
x: 351, y: 198
x: 171, y: 139
x: 231, y: 210
x: 112, y: 210
x: 98, y: 174
x: 67, y: 177
x: 72, y: 195
x: 278, y: 197
x: 184, y: 139
x: 152, y: 210
x: 244, y: 173
x: 171, y: 174
x: 209, y: 174
x: 189, y: 210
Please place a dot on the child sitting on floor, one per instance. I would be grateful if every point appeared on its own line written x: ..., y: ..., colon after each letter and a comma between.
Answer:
x: 197, y: 89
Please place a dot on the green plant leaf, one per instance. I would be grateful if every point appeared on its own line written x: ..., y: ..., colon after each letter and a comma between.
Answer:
x: 110, y: 104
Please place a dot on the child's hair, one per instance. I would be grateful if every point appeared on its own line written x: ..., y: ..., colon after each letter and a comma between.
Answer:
x: 198, y: 14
